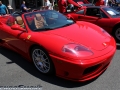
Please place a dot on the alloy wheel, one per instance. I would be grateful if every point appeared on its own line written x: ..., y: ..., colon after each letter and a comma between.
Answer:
x: 41, y: 60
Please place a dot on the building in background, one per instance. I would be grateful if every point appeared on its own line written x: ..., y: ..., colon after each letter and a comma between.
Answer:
x: 29, y: 3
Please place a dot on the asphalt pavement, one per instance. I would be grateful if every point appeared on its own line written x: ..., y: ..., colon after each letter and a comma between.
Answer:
x: 16, y: 71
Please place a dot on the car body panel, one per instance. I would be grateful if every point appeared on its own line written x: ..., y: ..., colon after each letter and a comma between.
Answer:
x: 67, y: 65
x: 107, y: 23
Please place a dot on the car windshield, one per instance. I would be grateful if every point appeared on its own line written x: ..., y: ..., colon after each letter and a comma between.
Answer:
x: 112, y: 12
x: 46, y: 20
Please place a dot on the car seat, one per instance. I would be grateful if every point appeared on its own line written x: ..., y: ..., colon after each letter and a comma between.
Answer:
x: 39, y: 21
x: 19, y: 21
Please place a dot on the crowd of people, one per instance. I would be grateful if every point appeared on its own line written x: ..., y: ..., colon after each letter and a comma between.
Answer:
x: 62, y: 5
x: 8, y: 9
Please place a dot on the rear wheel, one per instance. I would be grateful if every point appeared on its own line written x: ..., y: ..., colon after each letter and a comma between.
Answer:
x: 42, y: 60
x: 116, y: 34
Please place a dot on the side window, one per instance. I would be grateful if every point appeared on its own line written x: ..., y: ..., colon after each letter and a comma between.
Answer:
x: 10, y: 21
x: 93, y: 12
x: 88, y: 12
x: 80, y: 12
x: 103, y: 14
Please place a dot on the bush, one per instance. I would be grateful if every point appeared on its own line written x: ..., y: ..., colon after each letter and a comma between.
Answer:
x: 56, y: 7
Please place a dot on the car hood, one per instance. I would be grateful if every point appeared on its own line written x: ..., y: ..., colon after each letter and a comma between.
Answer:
x: 83, y: 33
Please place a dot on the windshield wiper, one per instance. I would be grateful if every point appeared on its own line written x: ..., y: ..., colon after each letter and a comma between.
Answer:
x: 64, y: 25
x: 43, y: 29
x: 48, y: 28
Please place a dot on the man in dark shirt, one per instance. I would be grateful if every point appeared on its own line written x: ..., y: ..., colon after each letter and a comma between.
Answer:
x: 24, y: 8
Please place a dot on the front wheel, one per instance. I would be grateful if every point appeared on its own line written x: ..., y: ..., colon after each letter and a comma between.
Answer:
x: 42, y: 60
x: 116, y: 34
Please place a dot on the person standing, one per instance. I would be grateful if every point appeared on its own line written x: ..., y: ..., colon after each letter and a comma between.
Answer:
x: 10, y: 9
x: 47, y: 5
x: 52, y: 4
x: 24, y: 8
x: 3, y: 9
x: 62, y: 4
x: 106, y: 2
x: 111, y: 3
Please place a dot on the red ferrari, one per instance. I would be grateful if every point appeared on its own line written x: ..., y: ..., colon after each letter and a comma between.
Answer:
x: 77, y: 51
x: 105, y: 17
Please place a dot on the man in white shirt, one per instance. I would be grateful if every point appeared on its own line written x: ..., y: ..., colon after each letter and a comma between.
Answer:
x: 48, y: 5
x: 106, y: 2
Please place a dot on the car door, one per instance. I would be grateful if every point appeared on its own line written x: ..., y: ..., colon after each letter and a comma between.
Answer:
x: 104, y: 21
x: 86, y: 15
x: 95, y: 16
x: 14, y: 38
x: 79, y: 15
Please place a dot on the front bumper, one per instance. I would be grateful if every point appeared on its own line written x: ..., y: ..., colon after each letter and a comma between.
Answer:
x: 82, y: 70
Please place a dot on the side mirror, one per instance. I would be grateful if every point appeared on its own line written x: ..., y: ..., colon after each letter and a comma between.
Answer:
x: 17, y: 27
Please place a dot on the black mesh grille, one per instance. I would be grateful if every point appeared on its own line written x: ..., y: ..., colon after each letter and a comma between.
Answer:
x: 91, y: 69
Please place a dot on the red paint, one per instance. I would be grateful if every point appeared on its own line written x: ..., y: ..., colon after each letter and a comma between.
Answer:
x: 106, y: 23
x: 67, y: 66
x: 100, y: 3
x: 62, y: 4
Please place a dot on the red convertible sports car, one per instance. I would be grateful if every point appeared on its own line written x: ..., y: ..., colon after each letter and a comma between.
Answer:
x: 105, y: 17
x: 77, y: 51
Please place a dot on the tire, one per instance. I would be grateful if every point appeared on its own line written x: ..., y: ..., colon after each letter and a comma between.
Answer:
x: 116, y: 34
x: 42, y: 61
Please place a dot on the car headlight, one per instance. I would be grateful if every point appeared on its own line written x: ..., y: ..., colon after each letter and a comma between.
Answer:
x: 105, y: 32
x: 78, y: 50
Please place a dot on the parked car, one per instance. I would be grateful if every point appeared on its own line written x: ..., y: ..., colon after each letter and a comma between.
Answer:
x: 77, y: 51
x: 105, y: 17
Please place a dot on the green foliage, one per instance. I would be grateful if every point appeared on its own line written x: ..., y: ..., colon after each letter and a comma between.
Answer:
x: 55, y: 5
